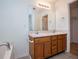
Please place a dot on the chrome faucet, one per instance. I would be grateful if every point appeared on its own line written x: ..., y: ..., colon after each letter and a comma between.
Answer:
x: 54, y: 30
x: 6, y: 44
x: 37, y: 32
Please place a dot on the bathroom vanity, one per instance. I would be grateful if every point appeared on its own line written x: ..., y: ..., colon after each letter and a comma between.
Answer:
x: 44, y: 45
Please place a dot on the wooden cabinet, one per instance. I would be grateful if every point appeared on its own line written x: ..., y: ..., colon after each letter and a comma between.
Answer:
x: 54, y: 45
x: 44, y: 47
x: 61, y: 43
x: 41, y: 48
x: 39, y: 51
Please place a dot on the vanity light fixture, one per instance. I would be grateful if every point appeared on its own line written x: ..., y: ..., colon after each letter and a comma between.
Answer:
x: 43, y: 5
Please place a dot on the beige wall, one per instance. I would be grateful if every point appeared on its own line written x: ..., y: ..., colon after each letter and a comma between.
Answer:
x: 63, y: 19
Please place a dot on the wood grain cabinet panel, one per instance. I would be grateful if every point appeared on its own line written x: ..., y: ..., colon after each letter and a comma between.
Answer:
x: 39, y: 51
x: 54, y: 49
x: 42, y: 47
x: 62, y: 42
x: 42, y: 39
x: 54, y: 37
x: 54, y: 44
x: 59, y: 45
x: 47, y: 49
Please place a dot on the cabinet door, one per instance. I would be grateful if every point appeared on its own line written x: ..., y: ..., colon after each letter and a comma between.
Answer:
x: 47, y: 49
x: 59, y: 45
x: 64, y: 43
x: 39, y: 51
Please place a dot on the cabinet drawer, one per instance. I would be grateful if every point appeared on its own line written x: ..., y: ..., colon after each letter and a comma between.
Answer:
x: 54, y: 47
x: 62, y: 36
x: 54, y: 51
x: 42, y: 40
x: 54, y: 37
x: 54, y: 42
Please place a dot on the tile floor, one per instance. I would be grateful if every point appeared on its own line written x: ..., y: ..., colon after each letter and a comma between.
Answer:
x: 64, y: 56
x: 59, y: 56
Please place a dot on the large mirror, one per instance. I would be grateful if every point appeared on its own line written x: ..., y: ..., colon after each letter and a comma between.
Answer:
x: 44, y: 19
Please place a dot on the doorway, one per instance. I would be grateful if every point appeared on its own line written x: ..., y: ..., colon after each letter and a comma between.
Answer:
x: 74, y: 28
x: 45, y: 23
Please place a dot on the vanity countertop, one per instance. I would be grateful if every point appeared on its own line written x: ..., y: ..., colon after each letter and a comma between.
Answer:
x: 43, y: 34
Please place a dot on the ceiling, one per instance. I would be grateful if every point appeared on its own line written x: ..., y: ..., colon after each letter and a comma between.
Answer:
x: 34, y: 2
x: 69, y: 1
x: 48, y: 1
